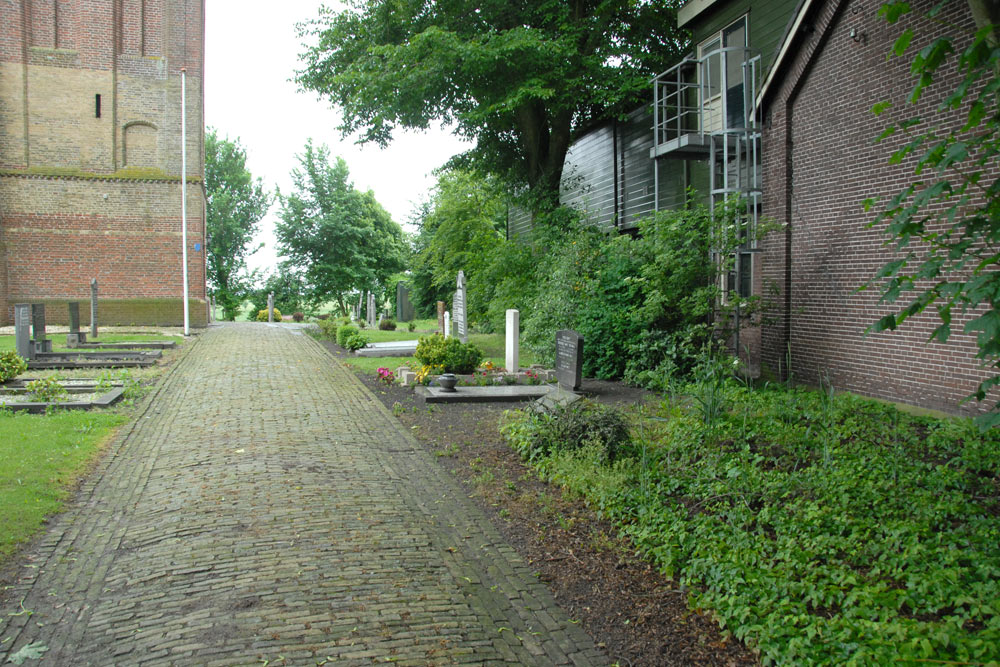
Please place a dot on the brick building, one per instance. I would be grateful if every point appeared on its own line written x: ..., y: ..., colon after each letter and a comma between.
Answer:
x: 90, y: 156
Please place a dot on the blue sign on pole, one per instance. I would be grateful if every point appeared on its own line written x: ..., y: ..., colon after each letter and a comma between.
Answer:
x: 197, y: 247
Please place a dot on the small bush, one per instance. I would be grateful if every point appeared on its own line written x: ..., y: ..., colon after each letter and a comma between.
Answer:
x: 298, y: 316
x: 323, y: 316
x: 262, y: 315
x: 386, y: 376
x: 328, y: 327
x: 46, y: 390
x: 387, y: 324
x: 344, y: 332
x: 11, y: 365
x: 411, y: 326
x: 450, y: 353
x: 568, y: 428
x: 355, y: 341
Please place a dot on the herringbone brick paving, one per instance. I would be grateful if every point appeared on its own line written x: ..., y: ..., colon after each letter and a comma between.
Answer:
x: 264, y: 506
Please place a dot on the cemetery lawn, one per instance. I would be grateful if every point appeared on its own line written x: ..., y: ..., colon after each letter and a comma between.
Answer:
x: 41, y: 458
x: 59, y: 339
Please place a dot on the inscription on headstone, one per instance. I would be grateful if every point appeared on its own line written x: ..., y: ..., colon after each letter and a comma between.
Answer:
x: 569, y: 359
x: 22, y: 331
x: 458, y: 309
x: 93, y: 307
x: 441, y: 317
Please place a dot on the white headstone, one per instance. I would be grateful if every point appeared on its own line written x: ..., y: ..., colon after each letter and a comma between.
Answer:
x: 270, y: 307
x: 512, y: 358
x: 461, y: 323
x: 447, y: 324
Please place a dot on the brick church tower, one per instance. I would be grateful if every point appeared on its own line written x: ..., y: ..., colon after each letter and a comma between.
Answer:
x: 90, y: 157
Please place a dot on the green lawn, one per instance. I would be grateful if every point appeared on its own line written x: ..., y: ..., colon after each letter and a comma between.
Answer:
x: 59, y: 340
x: 41, y: 456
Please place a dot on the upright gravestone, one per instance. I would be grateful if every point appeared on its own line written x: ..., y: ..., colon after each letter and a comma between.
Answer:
x: 93, y: 307
x: 441, y: 317
x: 569, y: 359
x: 41, y: 341
x: 447, y: 324
x: 270, y: 306
x: 75, y: 336
x: 512, y: 332
x: 404, y: 308
x: 371, y: 310
x: 458, y: 309
x: 22, y: 331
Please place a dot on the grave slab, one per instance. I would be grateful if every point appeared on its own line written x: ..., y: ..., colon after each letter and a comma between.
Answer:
x: 503, y: 394
x: 400, y: 348
x: 556, y: 398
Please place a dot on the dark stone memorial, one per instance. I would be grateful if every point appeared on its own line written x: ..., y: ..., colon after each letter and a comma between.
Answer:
x: 22, y: 331
x: 569, y: 359
x: 93, y: 307
x: 404, y: 308
x: 38, y: 337
x: 75, y: 336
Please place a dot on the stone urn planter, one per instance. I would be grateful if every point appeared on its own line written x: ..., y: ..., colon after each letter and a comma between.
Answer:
x: 447, y: 382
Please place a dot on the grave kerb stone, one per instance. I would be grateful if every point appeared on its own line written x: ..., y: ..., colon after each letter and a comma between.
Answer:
x: 512, y: 333
x: 569, y: 359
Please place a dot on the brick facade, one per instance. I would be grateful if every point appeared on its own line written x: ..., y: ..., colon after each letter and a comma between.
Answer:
x: 819, y: 164
x: 90, y: 155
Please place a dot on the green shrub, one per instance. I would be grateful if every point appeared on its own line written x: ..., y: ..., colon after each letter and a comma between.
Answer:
x: 355, y: 341
x: 387, y: 324
x: 451, y: 353
x: 262, y: 315
x: 328, y: 328
x: 11, y: 365
x: 569, y: 428
x: 344, y: 332
x: 46, y: 390
x: 411, y: 326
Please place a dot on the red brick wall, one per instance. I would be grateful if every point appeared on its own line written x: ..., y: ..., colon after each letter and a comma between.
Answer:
x: 819, y: 164
x: 68, y: 211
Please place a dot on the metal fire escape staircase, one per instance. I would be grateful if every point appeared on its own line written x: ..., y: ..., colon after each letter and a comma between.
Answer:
x: 703, y: 109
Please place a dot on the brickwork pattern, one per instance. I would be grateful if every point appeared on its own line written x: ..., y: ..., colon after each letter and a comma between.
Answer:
x: 265, y: 504
x: 819, y: 164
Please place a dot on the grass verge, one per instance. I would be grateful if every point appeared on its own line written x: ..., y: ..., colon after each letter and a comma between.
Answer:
x: 41, y: 458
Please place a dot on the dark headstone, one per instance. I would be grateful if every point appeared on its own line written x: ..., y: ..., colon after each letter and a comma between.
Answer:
x: 22, y: 331
x: 75, y: 336
x: 569, y: 359
x: 458, y: 312
x: 404, y: 308
x: 93, y: 307
x: 38, y: 337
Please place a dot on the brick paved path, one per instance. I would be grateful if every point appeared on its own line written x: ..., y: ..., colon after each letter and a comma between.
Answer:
x: 267, y: 506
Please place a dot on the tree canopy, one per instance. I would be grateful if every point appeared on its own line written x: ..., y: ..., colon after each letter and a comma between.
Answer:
x: 518, y: 78
x: 235, y: 204
x: 340, y: 239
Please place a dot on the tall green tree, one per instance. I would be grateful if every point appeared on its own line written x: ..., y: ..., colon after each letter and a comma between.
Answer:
x: 517, y: 78
x: 945, y: 225
x: 340, y: 239
x: 236, y: 202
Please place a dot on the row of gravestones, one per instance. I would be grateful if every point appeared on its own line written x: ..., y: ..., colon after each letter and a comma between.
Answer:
x: 28, y: 343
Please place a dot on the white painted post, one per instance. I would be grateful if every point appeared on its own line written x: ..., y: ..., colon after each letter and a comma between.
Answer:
x: 513, y: 331
x: 447, y: 324
x: 270, y: 307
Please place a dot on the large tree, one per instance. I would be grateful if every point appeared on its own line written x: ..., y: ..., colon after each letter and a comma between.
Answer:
x: 341, y: 239
x: 519, y: 77
x: 945, y: 224
x: 235, y: 205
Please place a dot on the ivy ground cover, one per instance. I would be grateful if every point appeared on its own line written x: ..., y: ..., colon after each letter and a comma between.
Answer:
x: 820, y: 529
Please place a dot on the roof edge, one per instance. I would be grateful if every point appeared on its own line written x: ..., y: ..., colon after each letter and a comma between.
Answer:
x: 786, y: 44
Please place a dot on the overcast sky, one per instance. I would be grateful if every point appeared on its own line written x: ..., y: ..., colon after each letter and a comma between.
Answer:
x: 251, y: 53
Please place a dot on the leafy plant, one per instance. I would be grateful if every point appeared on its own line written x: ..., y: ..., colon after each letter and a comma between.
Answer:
x: 387, y: 324
x: 355, y: 341
x: 298, y: 316
x: 580, y: 424
x: 262, y: 315
x: 451, y: 354
x: 47, y: 390
x: 386, y: 376
x: 344, y: 332
x: 11, y: 365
